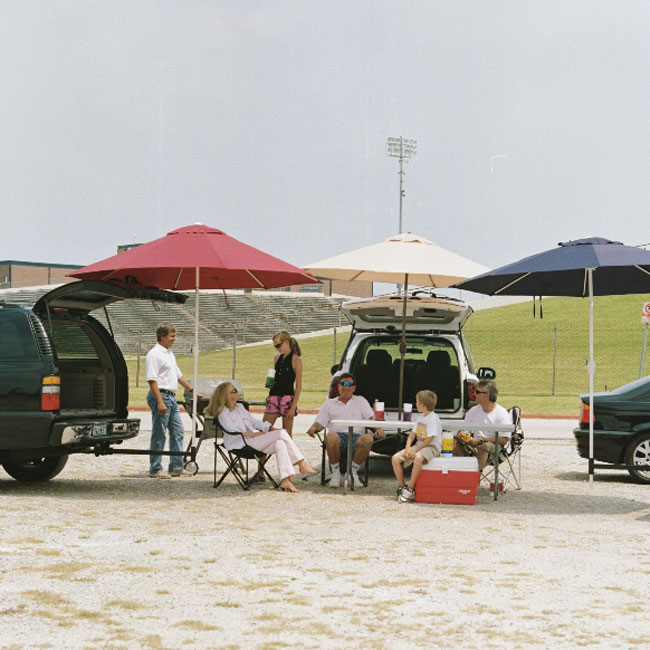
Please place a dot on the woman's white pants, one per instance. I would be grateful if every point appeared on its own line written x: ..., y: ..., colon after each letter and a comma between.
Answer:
x: 280, y: 443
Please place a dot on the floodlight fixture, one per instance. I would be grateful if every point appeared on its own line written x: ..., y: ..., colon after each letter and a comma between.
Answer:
x: 404, y: 150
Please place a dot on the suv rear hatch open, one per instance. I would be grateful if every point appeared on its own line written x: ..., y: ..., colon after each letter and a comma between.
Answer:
x: 91, y: 366
x: 436, y: 356
x: 423, y: 314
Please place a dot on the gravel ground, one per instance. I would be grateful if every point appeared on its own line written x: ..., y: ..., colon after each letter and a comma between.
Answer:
x: 103, y: 556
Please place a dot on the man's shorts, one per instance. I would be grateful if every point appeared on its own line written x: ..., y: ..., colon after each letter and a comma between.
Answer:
x: 427, y: 454
x: 279, y: 405
x: 343, y: 438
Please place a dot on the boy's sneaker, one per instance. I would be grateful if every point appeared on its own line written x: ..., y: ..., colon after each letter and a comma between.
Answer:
x: 335, y: 479
x: 356, y: 481
x: 406, y: 495
x: 399, y: 491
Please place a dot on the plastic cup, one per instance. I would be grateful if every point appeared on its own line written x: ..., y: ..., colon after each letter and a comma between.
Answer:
x: 379, y: 410
x: 270, y: 377
x: 407, y: 409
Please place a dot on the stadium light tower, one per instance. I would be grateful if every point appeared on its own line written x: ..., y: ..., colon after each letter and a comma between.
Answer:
x: 404, y: 150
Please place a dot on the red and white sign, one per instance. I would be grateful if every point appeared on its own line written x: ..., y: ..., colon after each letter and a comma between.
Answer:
x: 645, y: 313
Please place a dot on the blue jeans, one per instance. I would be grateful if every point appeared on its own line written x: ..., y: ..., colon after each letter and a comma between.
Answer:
x: 159, y: 424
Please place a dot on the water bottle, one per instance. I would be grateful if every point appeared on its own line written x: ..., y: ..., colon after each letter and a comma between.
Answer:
x: 447, y: 443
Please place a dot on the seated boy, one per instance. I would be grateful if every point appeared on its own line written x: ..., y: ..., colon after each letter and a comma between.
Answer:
x: 427, y: 436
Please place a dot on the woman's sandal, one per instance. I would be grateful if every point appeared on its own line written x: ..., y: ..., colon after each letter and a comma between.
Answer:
x: 286, y: 489
x: 313, y: 472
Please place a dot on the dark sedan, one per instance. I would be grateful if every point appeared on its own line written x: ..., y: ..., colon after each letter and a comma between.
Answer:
x: 621, y: 427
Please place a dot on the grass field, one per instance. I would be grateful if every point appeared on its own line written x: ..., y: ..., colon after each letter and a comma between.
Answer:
x: 519, y: 347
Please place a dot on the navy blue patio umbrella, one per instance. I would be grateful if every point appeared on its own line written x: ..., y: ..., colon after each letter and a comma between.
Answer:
x: 581, y: 267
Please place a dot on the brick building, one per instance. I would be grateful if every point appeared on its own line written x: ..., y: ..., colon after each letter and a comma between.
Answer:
x: 14, y: 273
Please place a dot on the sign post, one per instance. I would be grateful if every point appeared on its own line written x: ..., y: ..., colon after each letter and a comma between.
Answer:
x: 645, y: 318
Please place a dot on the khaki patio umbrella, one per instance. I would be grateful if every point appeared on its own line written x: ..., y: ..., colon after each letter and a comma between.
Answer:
x: 401, y: 259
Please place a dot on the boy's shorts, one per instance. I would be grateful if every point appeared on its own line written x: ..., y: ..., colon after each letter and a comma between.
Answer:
x: 427, y: 454
x: 279, y: 404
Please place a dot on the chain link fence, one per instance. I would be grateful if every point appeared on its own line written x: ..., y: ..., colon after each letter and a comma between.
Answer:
x: 537, y: 358
x: 545, y: 358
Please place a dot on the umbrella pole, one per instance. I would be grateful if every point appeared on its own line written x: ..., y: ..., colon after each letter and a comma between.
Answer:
x: 591, y: 367
x: 402, y: 351
x: 196, y: 365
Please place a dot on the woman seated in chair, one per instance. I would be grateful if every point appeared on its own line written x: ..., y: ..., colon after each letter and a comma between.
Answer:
x: 234, y: 417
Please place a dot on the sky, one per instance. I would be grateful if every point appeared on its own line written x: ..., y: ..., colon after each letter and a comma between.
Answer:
x: 121, y: 120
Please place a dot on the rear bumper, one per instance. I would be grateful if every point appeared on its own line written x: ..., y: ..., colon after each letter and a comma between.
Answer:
x: 89, y: 433
x: 609, y: 446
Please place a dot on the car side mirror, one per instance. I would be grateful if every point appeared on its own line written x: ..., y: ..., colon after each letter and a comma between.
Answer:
x: 486, y: 373
x: 334, y: 368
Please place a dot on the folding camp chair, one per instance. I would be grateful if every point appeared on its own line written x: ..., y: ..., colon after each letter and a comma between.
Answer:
x: 204, y: 387
x: 236, y: 460
x: 509, y: 456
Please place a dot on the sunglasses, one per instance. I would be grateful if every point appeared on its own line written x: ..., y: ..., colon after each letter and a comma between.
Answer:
x: 233, y: 391
x: 482, y: 392
x: 277, y: 346
x: 347, y: 384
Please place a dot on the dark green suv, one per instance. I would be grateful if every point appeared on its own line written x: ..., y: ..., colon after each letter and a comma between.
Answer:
x: 63, y: 379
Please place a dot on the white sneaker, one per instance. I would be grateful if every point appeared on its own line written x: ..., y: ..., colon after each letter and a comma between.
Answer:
x: 335, y: 479
x: 357, y: 482
x: 406, y: 495
x: 180, y: 473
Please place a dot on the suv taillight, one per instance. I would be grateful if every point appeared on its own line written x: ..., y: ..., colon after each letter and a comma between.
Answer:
x: 584, y: 416
x: 51, y: 393
x: 471, y: 390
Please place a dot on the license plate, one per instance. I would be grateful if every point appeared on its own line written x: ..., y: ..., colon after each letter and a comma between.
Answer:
x: 99, y: 430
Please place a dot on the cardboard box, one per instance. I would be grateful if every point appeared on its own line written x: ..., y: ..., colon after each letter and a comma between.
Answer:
x: 448, y: 479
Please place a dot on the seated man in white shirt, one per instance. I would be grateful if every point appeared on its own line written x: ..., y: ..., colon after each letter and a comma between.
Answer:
x: 486, y: 411
x: 347, y: 406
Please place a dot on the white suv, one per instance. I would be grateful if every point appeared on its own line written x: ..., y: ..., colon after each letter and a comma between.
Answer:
x: 437, y: 357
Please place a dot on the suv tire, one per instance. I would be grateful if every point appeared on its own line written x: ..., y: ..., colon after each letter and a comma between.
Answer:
x: 39, y: 469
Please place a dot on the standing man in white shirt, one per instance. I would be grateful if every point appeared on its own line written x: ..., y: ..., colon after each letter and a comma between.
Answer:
x: 486, y: 411
x: 163, y: 377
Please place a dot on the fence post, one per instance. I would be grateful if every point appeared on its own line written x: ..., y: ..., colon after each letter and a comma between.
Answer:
x: 645, y: 339
x: 234, y: 352
x: 137, y: 367
x: 554, y: 357
x: 334, y: 356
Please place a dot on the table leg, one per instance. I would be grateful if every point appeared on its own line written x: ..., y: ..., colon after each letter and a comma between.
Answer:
x: 496, y: 466
x: 348, y: 470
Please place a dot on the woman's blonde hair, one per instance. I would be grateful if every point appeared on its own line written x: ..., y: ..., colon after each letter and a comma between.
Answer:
x: 428, y: 398
x: 219, y: 399
x: 282, y: 336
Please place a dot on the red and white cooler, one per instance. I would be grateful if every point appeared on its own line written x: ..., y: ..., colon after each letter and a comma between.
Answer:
x: 448, y: 479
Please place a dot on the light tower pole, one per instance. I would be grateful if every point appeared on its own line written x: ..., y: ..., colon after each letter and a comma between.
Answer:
x: 404, y: 150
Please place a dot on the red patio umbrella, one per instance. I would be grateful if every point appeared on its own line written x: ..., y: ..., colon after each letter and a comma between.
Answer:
x: 172, y: 261
x: 194, y: 257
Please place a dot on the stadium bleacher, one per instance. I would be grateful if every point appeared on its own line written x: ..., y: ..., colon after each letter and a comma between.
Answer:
x: 248, y: 317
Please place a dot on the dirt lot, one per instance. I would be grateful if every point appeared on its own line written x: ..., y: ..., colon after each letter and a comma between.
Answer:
x: 104, y: 557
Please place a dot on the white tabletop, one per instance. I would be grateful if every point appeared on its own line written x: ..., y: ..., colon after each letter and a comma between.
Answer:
x: 448, y: 425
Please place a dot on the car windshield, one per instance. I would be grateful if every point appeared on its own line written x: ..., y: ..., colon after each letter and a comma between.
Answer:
x: 419, y: 350
x: 429, y: 363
